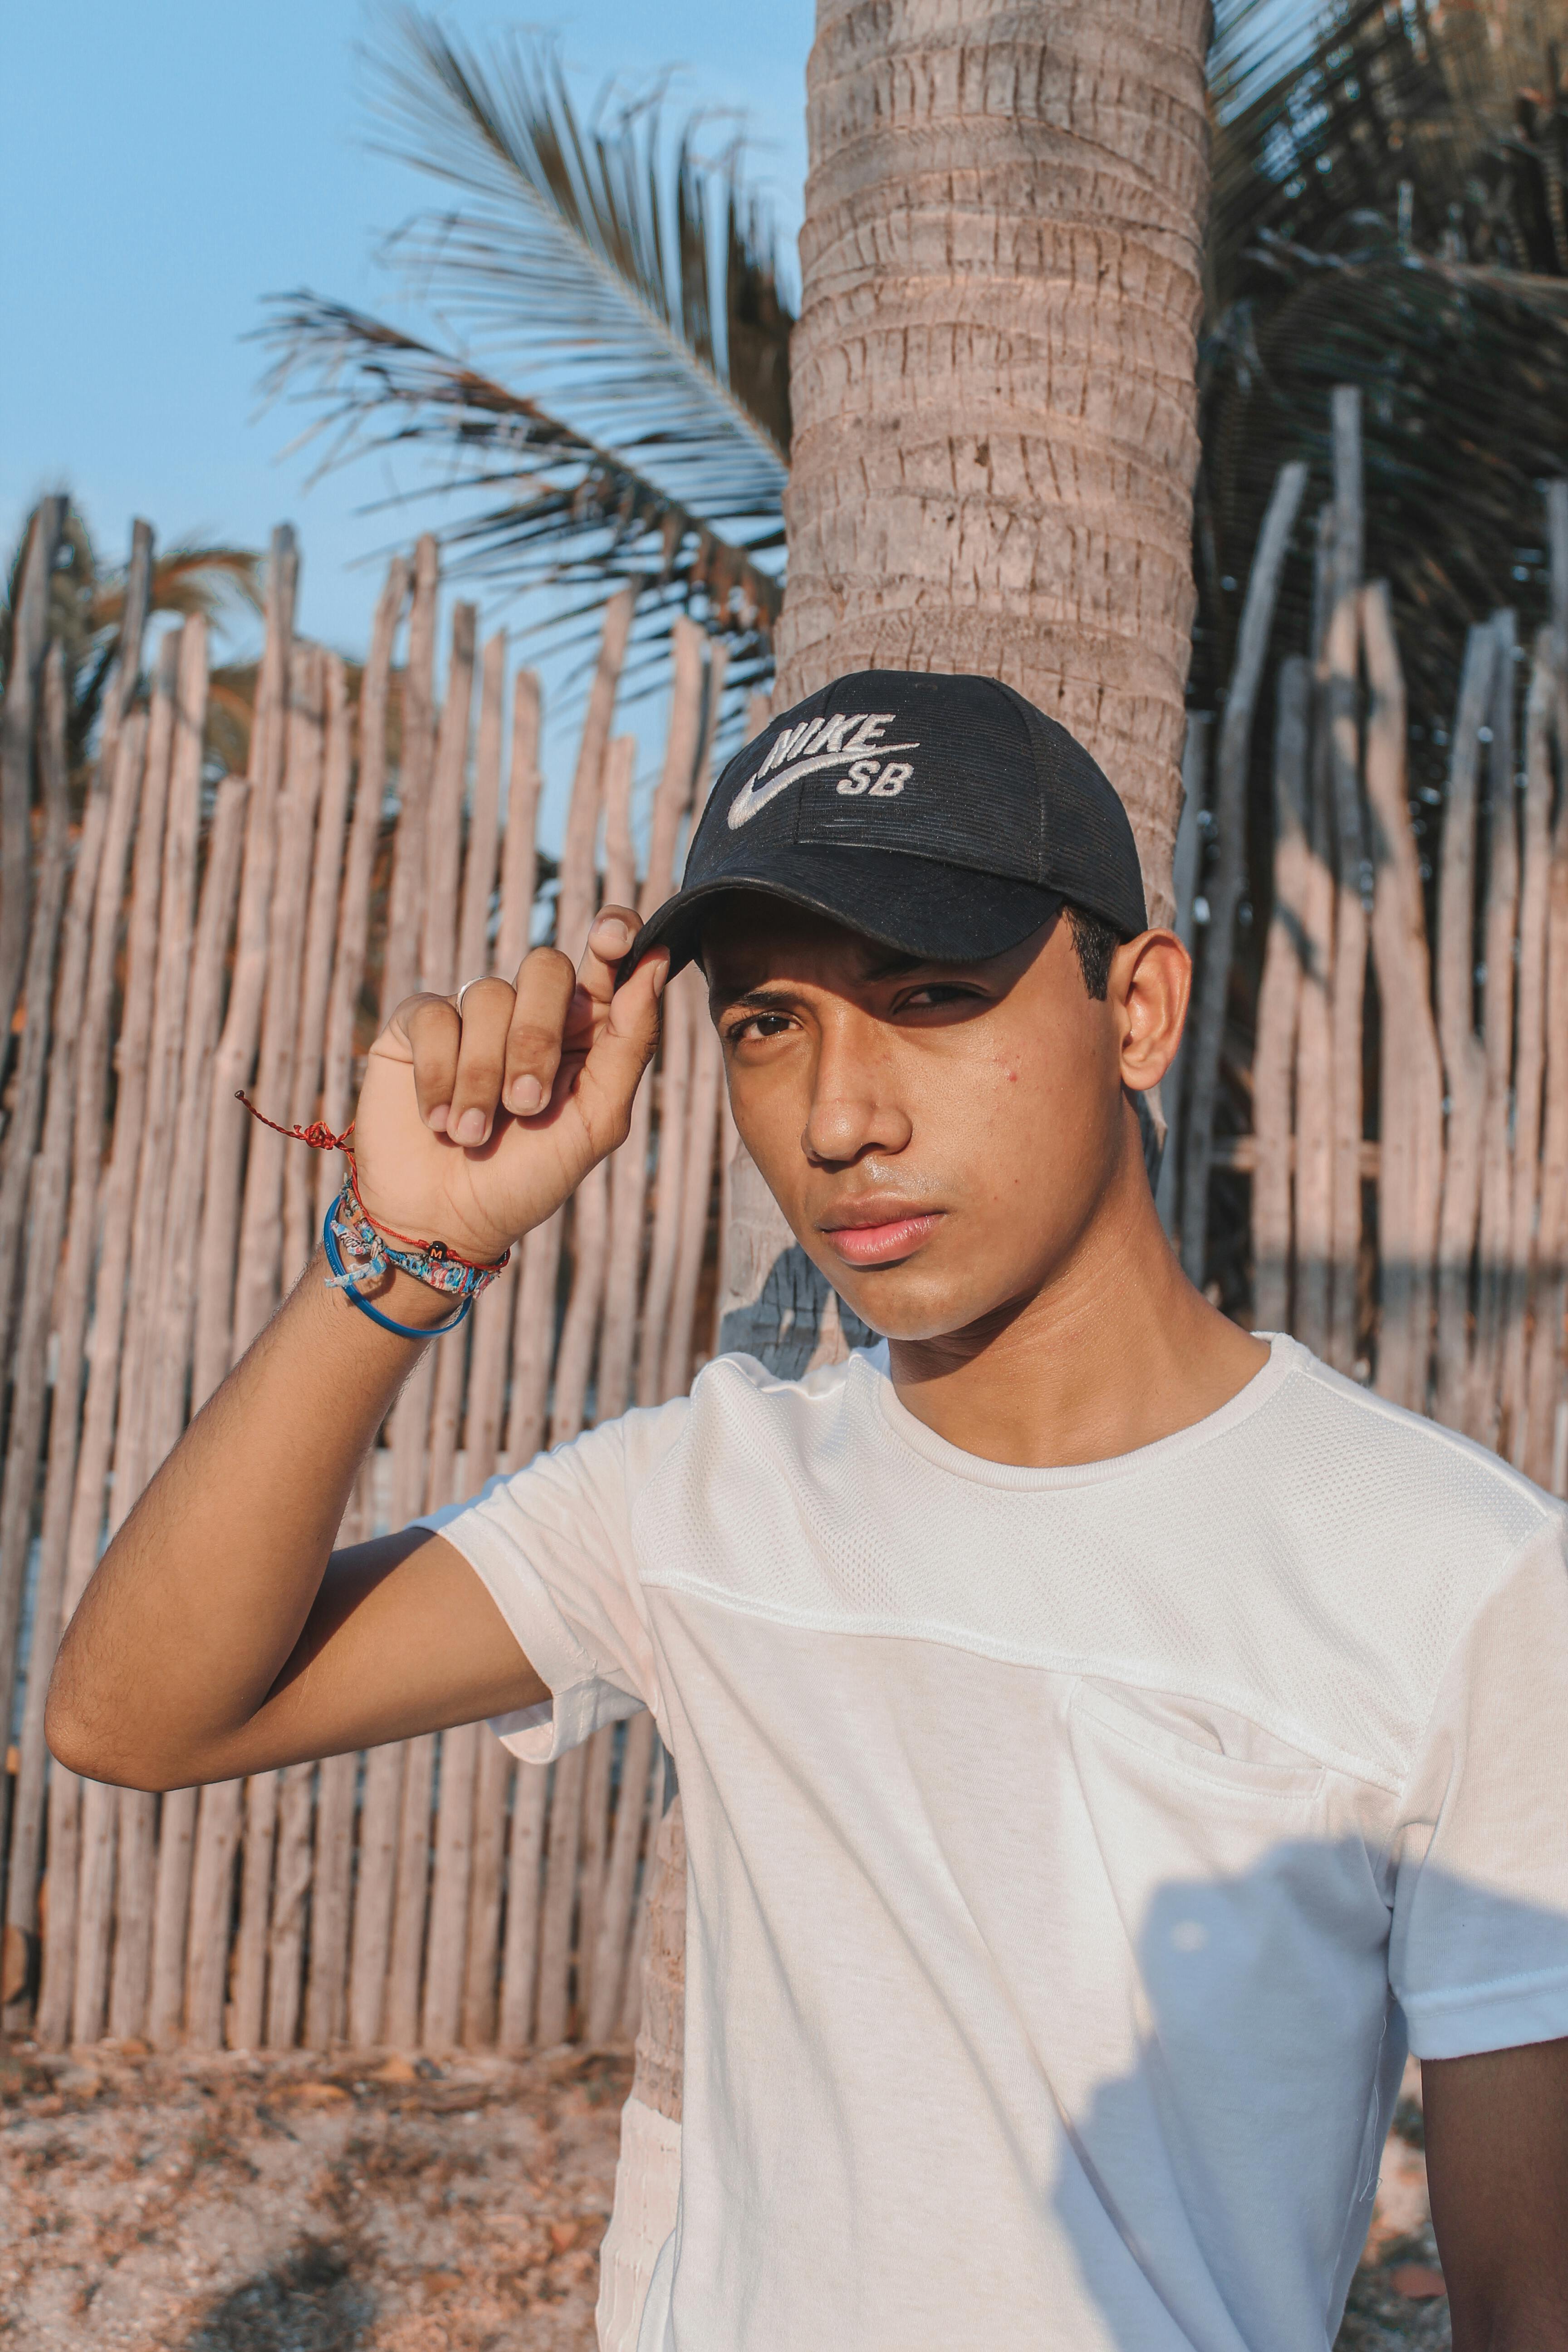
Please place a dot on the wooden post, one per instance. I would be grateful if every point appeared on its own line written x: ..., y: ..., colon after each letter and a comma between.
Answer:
x: 217, y: 1254
x: 1314, y: 1052
x: 682, y: 1010
x: 575, y: 907
x: 560, y: 1896
x: 607, y: 1994
x: 1230, y: 818
x: 1184, y: 861
x: 204, y: 1007
x: 26, y: 1177
x: 29, y: 635
x: 247, y: 2023
x: 28, y: 1079
x: 177, y: 1852
x: 493, y: 1315
x: 405, y: 1963
x: 48, y: 1236
x: 1278, y: 1003
x: 1348, y: 999
x: 383, y: 1769
x: 482, y: 1975
x: 1464, y: 1062
x: 212, y: 1901
x: 354, y: 921
x: 532, y: 1347
x: 56, y: 1574
x: 1410, y: 1111
x: 329, y: 1893
x: 600, y: 1752
x: 406, y: 896
x: 1497, y: 1034
x: 286, y: 1938
x: 256, y: 1288
x: 628, y: 1183
x: 450, y: 1887
x: 705, y: 1085
x: 1530, y: 1071
x: 519, y: 1951
x: 443, y: 828
x: 143, y: 1441
x: 1551, y: 1283
x: 300, y: 1234
x: 100, y: 1804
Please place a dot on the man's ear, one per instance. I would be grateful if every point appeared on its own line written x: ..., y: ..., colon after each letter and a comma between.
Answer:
x: 1151, y: 982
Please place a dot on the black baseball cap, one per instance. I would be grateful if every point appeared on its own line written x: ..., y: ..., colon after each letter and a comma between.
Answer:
x: 942, y: 817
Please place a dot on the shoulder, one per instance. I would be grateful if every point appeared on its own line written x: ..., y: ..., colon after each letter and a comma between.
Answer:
x: 1365, y: 1460
x: 1407, y: 1526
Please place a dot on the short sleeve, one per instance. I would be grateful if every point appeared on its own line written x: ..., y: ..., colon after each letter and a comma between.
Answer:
x: 552, y: 1544
x: 1478, y: 1953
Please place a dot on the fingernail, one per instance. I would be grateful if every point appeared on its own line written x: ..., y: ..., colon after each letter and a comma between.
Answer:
x: 660, y: 976
x: 614, y: 934
x: 527, y: 1096
x: 471, y: 1126
x: 436, y: 1118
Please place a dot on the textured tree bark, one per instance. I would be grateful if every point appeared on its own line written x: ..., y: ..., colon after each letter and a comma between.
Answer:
x: 992, y: 382
x: 993, y: 376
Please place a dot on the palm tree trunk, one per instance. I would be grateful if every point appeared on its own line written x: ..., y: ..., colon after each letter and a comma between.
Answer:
x: 995, y: 438
x: 993, y: 378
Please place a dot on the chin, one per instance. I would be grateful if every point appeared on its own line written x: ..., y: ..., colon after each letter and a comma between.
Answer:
x: 912, y: 1310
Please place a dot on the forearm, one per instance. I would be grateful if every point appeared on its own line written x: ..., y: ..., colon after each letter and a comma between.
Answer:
x: 203, y: 1596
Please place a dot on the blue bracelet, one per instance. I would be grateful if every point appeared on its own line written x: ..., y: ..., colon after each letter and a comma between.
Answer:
x: 345, y: 1284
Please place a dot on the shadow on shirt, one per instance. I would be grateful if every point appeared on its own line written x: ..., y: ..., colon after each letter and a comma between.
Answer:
x: 1218, y: 2195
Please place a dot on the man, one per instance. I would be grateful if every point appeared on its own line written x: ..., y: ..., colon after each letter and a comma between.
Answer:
x: 1105, y: 1736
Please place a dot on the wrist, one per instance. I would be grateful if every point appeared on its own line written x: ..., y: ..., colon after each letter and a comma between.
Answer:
x: 404, y: 1298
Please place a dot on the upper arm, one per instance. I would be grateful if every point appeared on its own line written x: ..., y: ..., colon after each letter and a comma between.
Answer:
x: 1497, y: 2168
x: 402, y: 1638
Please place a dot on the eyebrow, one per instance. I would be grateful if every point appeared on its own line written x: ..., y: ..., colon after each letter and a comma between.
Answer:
x: 762, y: 998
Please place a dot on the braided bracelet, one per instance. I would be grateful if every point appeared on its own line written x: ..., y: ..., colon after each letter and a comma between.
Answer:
x: 365, y: 1252
x: 359, y: 1251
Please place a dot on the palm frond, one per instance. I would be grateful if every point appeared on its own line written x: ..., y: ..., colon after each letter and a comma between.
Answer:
x: 579, y: 264
x: 554, y: 506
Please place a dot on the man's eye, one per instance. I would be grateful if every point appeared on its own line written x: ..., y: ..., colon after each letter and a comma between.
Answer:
x: 937, y: 992
x: 757, y: 1024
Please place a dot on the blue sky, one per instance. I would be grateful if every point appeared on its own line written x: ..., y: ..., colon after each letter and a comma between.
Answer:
x: 164, y: 166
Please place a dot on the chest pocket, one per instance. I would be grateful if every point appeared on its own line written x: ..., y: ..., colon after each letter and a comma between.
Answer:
x: 1252, y: 1915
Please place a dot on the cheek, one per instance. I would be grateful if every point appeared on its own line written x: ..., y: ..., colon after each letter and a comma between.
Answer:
x: 1032, y: 1125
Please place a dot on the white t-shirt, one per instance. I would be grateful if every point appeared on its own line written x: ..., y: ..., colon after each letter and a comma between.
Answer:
x: 1072, y: 1851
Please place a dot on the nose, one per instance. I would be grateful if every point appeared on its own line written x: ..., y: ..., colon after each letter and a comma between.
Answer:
x: 855, y: 1105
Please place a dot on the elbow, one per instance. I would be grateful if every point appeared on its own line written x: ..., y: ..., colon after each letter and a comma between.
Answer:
x: 75, y: 1742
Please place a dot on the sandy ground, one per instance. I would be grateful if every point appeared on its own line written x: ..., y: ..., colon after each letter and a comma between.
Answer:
x: 228, y: 2205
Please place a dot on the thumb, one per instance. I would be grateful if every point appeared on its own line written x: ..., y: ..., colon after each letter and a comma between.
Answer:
x: 621, y: 1052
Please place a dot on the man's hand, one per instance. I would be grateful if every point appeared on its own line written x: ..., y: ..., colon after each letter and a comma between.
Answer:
x: 473, y: 1129
x: 1497, y: 2166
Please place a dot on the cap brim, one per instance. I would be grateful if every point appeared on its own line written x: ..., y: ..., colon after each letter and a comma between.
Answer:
x: 943, y: 914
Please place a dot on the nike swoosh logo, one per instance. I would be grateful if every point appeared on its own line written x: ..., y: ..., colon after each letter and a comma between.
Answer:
x: 753, y: 796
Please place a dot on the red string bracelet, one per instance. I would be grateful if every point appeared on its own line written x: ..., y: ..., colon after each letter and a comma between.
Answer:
x: 319, y: 1138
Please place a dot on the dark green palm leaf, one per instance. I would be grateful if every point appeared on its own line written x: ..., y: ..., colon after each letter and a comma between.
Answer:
x: 569, y: 512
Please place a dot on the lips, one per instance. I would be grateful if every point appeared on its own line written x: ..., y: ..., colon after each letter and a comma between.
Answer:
x: 886, y: 1241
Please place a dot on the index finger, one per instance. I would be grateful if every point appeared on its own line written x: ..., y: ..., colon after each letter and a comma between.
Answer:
x: 614, y: 929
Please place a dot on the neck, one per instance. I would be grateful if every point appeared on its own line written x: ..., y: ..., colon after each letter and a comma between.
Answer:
x: 1112, y: 1350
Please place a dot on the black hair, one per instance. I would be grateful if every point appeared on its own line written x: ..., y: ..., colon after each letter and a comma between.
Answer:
x: 1095, y: 941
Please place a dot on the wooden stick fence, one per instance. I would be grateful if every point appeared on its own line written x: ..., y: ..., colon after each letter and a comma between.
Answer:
x: 189, y: 937
x: 1416, y: 1233
x: 1406, y: 1149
